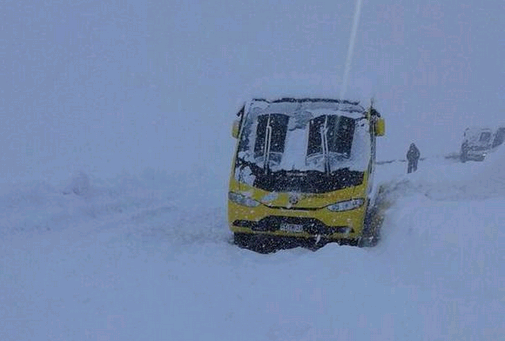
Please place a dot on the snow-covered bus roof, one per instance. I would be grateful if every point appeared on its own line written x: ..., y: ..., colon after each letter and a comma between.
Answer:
x: 316, y: 106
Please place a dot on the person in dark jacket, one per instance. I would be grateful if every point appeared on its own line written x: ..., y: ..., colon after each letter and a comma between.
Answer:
x: 413, y: 155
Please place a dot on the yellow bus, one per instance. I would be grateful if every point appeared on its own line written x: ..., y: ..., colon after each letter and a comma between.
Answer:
x: 302, y: 173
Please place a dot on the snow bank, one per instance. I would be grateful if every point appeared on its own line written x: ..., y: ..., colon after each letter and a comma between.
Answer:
x: 40, y: 206
x: 79, y: 184
x: 136, y: 258
x: 443, y: 179
x: 490, y: 179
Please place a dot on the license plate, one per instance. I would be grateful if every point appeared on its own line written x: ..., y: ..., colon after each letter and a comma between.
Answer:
x: 291, y: 227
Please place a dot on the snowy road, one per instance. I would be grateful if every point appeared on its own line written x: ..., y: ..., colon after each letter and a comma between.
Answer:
x: 131, y: 259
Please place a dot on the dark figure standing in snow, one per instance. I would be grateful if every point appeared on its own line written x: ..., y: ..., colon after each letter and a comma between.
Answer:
x: 412, y: 158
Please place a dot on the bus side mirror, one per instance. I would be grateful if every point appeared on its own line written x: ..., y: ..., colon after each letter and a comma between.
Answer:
x: 235, y: 128
x: 380, y: 127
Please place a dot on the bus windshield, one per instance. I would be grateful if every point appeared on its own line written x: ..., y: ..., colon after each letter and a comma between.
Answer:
x: 306, y: 150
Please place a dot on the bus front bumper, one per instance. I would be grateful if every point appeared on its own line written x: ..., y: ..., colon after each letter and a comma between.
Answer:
x: 297, y: 223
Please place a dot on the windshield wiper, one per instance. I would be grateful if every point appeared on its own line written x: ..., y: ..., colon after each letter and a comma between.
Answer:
x: 266, y: 149
x: 324, y: 145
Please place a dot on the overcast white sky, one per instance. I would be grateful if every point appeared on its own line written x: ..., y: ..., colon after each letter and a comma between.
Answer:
x: 157, y: 83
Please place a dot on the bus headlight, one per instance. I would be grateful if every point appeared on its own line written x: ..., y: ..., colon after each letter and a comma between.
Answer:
x: 242, y: 200
x: 346, y: 205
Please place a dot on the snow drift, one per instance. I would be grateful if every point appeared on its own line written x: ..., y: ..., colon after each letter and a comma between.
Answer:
x: 131, y: 259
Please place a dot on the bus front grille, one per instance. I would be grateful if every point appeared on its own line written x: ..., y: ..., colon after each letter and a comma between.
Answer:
x: 309, y: 225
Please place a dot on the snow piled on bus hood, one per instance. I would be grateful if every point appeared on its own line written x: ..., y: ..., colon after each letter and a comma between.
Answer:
x: 150, y: 258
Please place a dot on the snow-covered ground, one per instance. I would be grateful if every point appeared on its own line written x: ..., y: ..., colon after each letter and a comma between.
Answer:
x: 132, y: 259
x: 115, y: 148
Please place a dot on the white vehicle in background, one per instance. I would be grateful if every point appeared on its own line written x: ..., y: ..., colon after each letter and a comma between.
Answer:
x: 476, y: 144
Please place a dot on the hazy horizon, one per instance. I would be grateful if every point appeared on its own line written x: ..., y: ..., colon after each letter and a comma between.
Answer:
x: 144, y: 81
